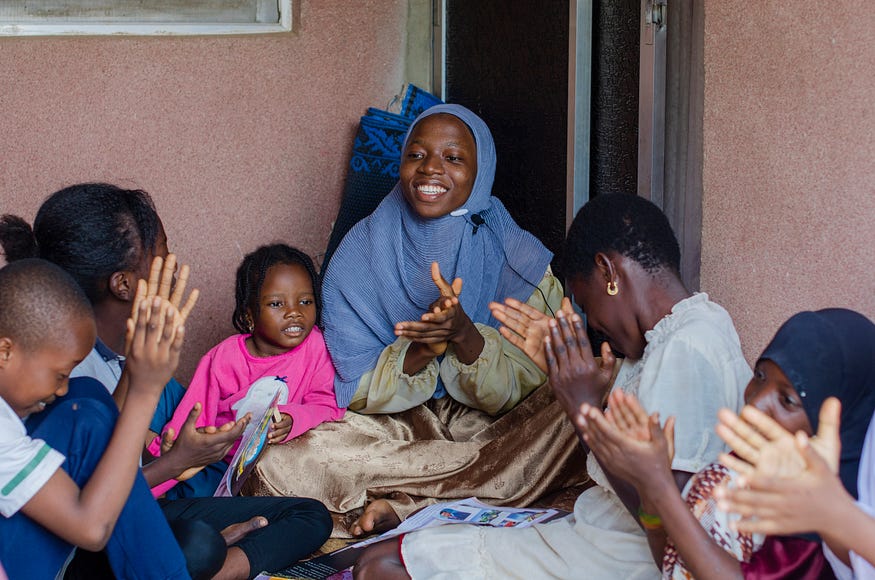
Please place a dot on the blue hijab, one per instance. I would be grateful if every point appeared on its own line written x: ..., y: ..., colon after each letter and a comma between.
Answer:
x: 831, y: 353
x: 381, y: 272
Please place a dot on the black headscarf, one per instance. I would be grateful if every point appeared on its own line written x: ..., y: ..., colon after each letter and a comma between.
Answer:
x: 831, y: 353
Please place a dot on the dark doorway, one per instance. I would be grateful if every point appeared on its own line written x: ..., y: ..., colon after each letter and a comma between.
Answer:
x: 508, y: 62
x: 614, y: 128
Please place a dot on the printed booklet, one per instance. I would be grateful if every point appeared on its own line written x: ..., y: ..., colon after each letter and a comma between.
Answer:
x: 466, y: 511
x: 252, y: 444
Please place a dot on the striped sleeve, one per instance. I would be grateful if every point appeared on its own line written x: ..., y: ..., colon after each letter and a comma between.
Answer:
x: 26, y: 465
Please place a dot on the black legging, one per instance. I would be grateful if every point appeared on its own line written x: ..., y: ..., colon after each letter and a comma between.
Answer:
x: 296, y: 526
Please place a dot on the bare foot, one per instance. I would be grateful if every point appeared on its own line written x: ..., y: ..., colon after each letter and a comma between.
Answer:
x: 377, y: 517
x: 236, y: 532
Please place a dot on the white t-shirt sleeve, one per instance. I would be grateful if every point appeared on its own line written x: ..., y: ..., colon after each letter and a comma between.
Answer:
x: 25, y: 464
x: 859, y: 569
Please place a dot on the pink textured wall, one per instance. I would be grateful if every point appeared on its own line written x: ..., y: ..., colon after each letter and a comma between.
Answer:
x: 789, y: 171
x: 240, y: 140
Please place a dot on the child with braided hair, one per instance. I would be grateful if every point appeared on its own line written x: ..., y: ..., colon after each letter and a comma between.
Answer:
x: 276, y: 313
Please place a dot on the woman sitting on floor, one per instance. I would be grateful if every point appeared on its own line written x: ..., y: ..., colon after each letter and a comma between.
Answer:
x: 683, y: 358
x: 441, y: 399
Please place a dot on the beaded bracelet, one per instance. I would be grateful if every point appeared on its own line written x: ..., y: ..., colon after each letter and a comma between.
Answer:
x: 649, y: 521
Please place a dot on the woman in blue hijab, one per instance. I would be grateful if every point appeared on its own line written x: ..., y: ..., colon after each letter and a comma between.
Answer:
x: 381, y: 285
x: 435, y: 387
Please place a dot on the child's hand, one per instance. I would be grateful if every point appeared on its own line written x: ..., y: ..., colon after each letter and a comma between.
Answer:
x: 153, y: 342
x: 806, y: 502
x: 766, y: 450
x: 620, y: 450
x: 280, y: 429
x: 576, y: 376
x: 196, y: 448
x: 162, y: 281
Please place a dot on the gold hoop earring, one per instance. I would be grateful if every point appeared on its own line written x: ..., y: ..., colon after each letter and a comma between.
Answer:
x: 612, y: 288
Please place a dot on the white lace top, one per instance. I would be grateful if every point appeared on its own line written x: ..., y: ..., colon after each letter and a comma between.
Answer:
x: 691, y: 367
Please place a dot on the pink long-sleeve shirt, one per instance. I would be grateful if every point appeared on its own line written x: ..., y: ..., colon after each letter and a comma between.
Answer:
x: 225, y: 373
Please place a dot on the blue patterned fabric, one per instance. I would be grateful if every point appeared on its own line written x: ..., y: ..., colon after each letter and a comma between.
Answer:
x: 417, y: 101
x: 381, y: 273
x: 373, y: 168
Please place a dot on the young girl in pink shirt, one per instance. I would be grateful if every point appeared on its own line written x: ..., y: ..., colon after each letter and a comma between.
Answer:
x: 276, y: 313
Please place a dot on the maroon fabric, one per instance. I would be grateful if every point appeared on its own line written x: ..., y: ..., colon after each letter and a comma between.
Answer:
x: 784, y: 557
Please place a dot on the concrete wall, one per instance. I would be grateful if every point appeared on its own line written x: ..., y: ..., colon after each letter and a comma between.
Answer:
x: 245, y: 140
x: 789, y: 170
x: 240, y: 140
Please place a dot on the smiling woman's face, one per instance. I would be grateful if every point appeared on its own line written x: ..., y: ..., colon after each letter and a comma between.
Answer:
x: 438, y: 166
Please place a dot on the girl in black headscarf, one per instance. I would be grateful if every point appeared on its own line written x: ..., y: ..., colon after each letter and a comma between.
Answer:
x: 829, y: 471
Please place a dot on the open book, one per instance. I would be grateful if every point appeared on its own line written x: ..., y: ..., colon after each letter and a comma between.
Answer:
x: 466, y: 511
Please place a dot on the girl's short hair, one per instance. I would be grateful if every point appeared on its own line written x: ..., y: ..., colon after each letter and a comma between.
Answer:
x: 251, y: 274
x: 91, y: 230
x: 627, y: 224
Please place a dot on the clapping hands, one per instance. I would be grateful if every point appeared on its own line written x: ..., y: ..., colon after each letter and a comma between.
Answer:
x: 628, y: 442
x: 560, y: 348
x: 153, y: 342
x: 444, y: 322
x: 161, y: 283
x: 575, y: 374
x: 526, y: 328
x: 162, y: 287
x: 766, y: 450
x: 786, y: 480
x: 197, y: 447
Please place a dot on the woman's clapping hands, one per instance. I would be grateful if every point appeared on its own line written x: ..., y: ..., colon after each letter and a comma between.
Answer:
x: 445, y: 322
x: 628, y: 441
x: 575, y: 374
x: 525, y: 327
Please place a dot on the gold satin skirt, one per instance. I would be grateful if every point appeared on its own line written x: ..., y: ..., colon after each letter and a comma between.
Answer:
x: 439, y: 451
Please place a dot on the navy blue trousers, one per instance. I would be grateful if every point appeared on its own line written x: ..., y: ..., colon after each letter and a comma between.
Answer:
x: 80, y: 425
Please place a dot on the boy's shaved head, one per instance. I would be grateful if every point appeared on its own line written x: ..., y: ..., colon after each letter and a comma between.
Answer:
x: 37, y: 302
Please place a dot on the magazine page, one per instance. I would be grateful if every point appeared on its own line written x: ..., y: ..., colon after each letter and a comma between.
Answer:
x: 252, y: 444
x: 466, y: 511
x: 317, y: 568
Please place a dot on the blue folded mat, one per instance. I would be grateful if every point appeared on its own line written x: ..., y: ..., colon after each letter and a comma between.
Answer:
x: 373, y: 168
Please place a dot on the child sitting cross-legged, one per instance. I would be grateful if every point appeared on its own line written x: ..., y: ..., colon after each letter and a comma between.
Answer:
x: 813, y: 356
x: 76, y: 476
x: 276, y: 313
